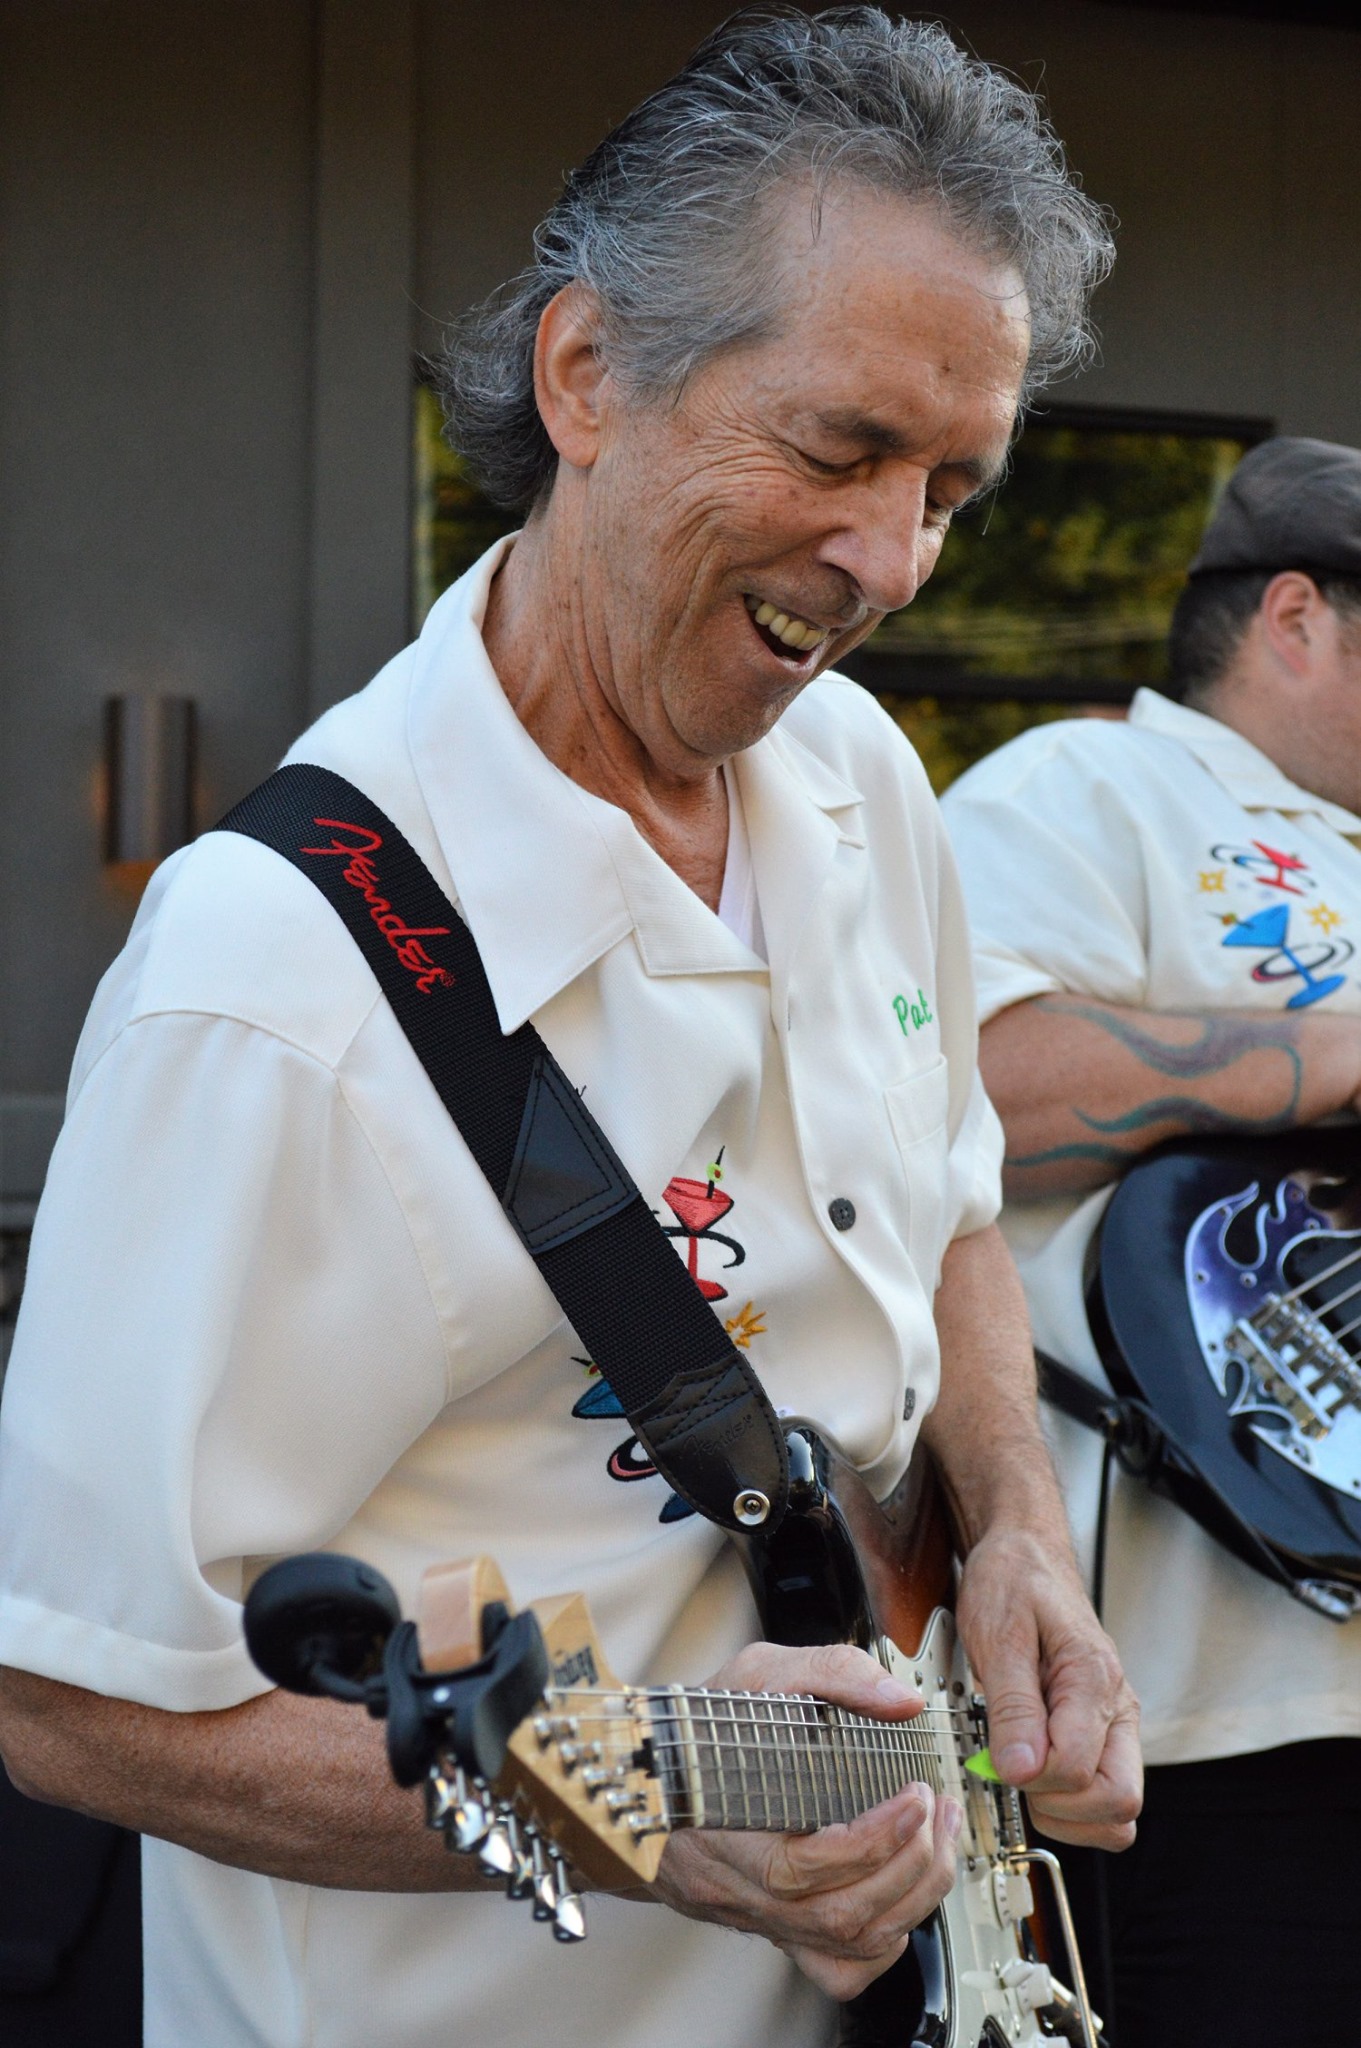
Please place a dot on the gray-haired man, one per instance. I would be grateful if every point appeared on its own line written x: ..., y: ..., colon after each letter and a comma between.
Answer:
x: 777, y: 333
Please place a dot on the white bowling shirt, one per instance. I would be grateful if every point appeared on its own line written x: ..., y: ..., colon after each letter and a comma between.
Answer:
x: 273, y: 1306
x: 1114, y: 860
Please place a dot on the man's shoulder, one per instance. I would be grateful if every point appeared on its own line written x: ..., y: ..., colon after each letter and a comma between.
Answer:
x: 1089, y: 753
x: 229, y: 929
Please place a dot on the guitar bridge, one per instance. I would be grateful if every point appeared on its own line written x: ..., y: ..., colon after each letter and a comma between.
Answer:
x: 1300, y: 1364
x: 1262, y: 1330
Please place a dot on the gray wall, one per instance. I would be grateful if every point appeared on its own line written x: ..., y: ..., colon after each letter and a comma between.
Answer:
x: 227, y: 223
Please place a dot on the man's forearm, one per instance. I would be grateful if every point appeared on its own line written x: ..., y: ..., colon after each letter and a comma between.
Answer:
x: 1062, y: 1720
x: 296, y: 1788
x: 1083, y: 1087
x: 984, y: 1430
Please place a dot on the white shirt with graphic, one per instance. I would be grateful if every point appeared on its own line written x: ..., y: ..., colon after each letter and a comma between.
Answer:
x: 1164, y: 863
x: 273, y: 1306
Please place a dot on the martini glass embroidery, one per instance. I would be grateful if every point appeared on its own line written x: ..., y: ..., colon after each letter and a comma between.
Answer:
x: 698, y: 1206
x: 1269, y: 929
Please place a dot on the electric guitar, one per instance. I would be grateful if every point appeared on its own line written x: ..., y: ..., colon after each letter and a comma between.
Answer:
x: 538, y: 1761
x: 1225, y: 1300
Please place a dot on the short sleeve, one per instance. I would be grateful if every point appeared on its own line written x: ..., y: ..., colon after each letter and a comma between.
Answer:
x: 1050, y: 861
x: 226, y: 1341
x: 974, y: 1175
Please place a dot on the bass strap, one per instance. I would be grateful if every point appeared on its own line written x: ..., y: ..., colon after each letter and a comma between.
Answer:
x: 1145, y: 1449
x: 696, y: 1405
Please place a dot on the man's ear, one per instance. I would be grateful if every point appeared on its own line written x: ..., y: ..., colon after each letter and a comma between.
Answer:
x: 569, y: 374
x: 1290, y: 612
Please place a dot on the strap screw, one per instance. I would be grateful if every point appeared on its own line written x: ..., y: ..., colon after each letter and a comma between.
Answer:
x: 751, y: 1508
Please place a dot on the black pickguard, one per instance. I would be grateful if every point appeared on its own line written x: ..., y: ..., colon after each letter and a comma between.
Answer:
x: 809, y: 1589
x: 1142, y: 1323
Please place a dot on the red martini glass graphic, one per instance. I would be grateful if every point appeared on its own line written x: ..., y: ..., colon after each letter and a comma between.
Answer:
x: 697, y: 1206
x: 1268, y: 929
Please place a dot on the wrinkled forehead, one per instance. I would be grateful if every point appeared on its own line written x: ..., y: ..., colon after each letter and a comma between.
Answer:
x: 887, y: 322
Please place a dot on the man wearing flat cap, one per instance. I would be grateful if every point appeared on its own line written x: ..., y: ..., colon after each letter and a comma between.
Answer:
x: 1105, y: 865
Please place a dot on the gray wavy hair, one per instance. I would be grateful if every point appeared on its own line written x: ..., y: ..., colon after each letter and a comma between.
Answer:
x: 660, y: 221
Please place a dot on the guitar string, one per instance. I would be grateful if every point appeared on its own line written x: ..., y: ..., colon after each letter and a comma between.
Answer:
x: 659, y: 1696
x: 813, y: 1749
x: 1328, y: 1273
x: 1334, y: 1301
x: 730, y: 1697
x: 698, y: 1704
x: 819, y: 1739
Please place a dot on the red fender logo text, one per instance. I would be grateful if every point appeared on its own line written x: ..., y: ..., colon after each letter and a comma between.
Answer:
x: 404, y: 939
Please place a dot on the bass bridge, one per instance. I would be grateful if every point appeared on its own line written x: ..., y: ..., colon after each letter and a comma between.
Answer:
x: 1278, y: 1332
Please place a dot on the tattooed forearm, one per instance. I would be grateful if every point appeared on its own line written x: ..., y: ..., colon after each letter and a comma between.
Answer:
x: 1067, y: 1073
x: 1181, y: 1111
x: 1223, y: 1037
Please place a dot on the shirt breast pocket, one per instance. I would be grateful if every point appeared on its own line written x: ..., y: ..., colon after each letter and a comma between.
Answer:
x: 918, y: 1109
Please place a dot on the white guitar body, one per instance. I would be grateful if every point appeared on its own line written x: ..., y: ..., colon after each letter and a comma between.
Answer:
x: 992, y: 1992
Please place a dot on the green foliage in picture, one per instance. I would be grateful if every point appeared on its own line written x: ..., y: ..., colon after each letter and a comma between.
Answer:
x: 1072, y: 568
x: 452, y: 522
x: 951, y: 737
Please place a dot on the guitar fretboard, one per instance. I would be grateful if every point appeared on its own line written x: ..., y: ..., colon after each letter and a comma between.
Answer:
x: 788, y: 1763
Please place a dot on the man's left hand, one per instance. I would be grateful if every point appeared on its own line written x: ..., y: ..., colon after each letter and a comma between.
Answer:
x: 1063, y: 1723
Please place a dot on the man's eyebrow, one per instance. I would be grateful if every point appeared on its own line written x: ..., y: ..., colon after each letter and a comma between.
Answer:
x: 980, y: 476
x: 848, y: 425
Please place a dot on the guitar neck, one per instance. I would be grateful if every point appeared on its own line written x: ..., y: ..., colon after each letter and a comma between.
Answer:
x: 785, y: 1762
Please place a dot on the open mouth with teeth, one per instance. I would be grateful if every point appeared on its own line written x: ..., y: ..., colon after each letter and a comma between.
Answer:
x: 785, y: 634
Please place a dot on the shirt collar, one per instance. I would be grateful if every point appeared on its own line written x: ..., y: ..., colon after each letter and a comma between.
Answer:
x: 1249, y: 775
x: 550, y: 877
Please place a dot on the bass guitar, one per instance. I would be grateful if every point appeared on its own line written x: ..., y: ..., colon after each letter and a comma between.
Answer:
x: 538, y: 1761
x: 1225, y: 1299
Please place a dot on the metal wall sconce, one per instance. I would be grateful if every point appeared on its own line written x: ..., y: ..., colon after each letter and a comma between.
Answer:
x: 149, y: 761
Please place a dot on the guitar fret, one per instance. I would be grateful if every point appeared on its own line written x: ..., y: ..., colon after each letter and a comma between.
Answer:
x: 744, y: 1781
x: 809, y: 1731
x: 843, y: 1776
x: 869, y: 1746
x: 719, y: 1770
x: 818, y: 1762
x: 790, y: 1777
x: 756, y: 1711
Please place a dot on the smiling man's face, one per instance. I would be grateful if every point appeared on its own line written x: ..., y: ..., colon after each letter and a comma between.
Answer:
x: 743, y: 538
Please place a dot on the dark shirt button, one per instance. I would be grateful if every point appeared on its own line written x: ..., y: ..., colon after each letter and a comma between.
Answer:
x: 841, y: 1212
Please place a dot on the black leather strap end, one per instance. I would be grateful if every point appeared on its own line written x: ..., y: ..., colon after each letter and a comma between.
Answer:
x: 714, y: 1424
x: 1073, y: 1395
x: 565, y: 1176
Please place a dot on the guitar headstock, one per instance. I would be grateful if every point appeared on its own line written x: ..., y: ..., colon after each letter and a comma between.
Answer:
x: 532, y: 1755
x: 579, y: 1775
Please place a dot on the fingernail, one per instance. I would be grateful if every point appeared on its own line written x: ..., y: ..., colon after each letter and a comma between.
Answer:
x: 916, y: 1816
x: 895, y: 1695
x: 954, y: 1818
x: 1017, y: 1760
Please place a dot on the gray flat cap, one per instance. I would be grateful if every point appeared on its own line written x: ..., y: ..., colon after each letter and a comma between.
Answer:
x: 1290, y: 504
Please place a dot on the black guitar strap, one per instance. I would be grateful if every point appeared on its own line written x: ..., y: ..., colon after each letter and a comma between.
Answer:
x: 695, y: 1403
x: 1144, y: 1448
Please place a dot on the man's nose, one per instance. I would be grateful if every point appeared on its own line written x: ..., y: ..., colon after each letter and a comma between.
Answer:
x: 880, y: 546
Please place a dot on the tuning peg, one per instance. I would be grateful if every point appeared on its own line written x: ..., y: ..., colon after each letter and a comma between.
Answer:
x: 496, y: 1855
x: 461, y: 1811
x: 520, y: 1876
x: 442, y: 1795
x: 569, y: 1914
x: 545, y: 1887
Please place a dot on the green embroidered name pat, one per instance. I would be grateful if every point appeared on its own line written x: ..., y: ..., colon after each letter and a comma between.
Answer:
x: 913, y: 1015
